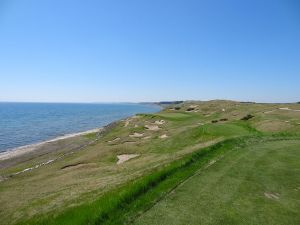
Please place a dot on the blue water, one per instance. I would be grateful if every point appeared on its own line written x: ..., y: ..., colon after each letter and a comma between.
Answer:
x: 28, y: 123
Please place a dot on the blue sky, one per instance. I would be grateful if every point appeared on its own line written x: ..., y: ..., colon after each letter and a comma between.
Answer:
x: 113, y: 51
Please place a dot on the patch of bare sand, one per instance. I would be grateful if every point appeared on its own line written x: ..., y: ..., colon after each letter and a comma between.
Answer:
x: 148, y: 137
x: 152, y: 127
x: 163, y: 136
x: 114, y: 140
x: 295, y: 110
x: 127, y: 123
x: 125, y: 157
x: 159, y: 122
x: 136, y: 135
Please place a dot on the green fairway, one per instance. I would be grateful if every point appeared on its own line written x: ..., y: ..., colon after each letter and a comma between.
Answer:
x: 257, y: 184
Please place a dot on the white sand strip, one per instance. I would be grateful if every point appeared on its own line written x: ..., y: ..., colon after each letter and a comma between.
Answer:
x: 295, y: 110
x: 29, y: 148
x: 125, y: 157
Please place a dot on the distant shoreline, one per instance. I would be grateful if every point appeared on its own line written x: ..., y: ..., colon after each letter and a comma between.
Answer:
x: 15, y: 151
x: 22, y: 150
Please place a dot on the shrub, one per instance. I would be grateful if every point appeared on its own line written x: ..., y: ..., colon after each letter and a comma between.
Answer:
x: 248, y: 117
x: 190, y: 109
x: 224, y: 119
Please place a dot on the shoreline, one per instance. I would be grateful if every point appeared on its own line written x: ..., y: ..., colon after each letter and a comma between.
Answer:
x: 22, y: 150
x: 18, y: 151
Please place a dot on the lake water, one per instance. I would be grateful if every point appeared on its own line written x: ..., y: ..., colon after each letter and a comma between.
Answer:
x: 27, y: 123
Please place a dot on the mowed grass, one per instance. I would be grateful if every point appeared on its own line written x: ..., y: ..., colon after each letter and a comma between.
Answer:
x: 257, y: 184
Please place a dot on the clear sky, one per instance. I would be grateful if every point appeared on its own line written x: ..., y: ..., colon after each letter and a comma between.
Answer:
x: 113, y: 51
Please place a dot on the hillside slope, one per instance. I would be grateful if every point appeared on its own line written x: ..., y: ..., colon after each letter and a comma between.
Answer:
x: 85, y: 174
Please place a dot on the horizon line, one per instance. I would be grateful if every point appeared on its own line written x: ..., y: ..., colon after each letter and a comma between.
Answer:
x: 146, y: 102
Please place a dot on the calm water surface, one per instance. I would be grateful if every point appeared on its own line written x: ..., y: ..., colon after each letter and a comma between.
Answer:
x: 28, y: 123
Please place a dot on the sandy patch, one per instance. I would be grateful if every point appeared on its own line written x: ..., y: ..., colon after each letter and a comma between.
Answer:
x: 136, y: 135
x: 163, y: 136
x: 152, y: 127
x: 125, y: 157
x: 267, y: 112
x: 295, y: 110
x: 127, y: 123
x: 272, y: 195
x: 159, y: 122
x: 34, y: 167
x: 145, y: 138
x: 114, y: 140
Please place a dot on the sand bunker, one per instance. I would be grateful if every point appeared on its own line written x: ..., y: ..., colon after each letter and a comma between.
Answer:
x: 127, y: 123
x: 136, y: 135
x: 152, y: 127
x: 163, y: 136
x: 159, y: 122
x: 126, y: 157
x: 148, y: 137
x: 114, y: 140
x: 295, y: 110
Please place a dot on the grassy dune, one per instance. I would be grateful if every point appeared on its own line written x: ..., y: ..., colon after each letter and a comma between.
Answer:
x: 173, y: 171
